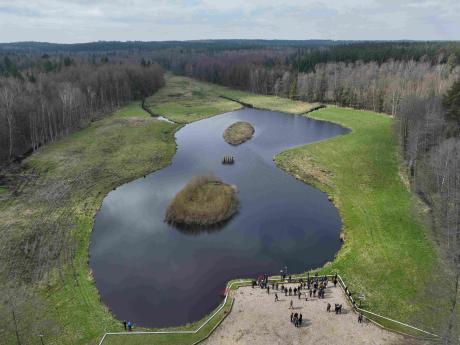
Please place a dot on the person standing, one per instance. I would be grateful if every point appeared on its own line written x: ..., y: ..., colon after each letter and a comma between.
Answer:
x: 276, y: 297
x: 124, y: 324
x: 291, y: 305
x: 328, y: 307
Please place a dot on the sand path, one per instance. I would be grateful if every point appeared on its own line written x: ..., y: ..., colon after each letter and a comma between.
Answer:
x: 257, y: 320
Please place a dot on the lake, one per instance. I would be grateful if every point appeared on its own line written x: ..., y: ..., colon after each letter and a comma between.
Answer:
x: 156, y: 275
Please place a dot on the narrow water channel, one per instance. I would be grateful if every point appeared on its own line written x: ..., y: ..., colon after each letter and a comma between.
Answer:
x: 156, y: 275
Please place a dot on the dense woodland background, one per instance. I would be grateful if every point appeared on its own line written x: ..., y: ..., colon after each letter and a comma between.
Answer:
x: 50, y: 90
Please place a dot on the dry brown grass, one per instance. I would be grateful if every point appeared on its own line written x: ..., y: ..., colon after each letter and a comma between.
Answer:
x: 204, y: 201
x: 238, y: 133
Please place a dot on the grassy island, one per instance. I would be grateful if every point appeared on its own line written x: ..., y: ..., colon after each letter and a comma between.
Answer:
x: 238, y: 133
x: 204, y: 201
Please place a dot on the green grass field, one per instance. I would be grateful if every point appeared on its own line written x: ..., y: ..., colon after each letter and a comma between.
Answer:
x: 387, y: 254
x: 270, y: 102
x: 185, y: 100
x: 131, y: 110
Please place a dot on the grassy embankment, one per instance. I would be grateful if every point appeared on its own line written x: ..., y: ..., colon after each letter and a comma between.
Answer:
x: 185, y: 100
x: 204, y: 201
x: 238, y: 132
x: 386, y: 254
x: 269, y: 102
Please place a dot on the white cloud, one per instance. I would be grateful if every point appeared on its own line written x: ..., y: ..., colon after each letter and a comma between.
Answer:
x: 91, y: 20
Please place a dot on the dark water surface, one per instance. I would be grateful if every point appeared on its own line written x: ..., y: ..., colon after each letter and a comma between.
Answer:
x: 156, y: 275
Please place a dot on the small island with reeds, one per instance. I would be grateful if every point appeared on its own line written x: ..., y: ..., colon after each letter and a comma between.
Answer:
x: 238, y: 133
x: 204, y: 201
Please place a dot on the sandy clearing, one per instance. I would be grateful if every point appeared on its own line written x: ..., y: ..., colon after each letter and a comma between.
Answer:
x: 256, y: 319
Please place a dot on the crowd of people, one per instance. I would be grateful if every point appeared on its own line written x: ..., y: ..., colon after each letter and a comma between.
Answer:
x: 310, y: 287
x: 316, y: 286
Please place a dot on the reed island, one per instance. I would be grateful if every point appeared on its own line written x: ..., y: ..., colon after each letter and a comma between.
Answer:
x: 238, y: 133
x: 204, y: 201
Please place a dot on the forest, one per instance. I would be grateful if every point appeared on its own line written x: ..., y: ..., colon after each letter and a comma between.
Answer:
x: 48, y: 91
x: 52, y: 99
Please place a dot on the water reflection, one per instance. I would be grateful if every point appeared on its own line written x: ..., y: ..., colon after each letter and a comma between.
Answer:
x: 154, y: 275
x: 195, y: 230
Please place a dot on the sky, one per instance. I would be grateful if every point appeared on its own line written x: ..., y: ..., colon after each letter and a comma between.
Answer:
x: 157, y: 20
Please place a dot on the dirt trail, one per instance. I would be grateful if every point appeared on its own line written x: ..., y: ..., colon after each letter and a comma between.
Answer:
x: 257, y: 320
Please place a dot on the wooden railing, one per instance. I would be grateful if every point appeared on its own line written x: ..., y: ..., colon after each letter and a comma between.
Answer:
x: 398, y: 326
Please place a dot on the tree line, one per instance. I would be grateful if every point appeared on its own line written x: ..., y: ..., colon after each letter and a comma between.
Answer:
x: 428, y: 130
x: 306, y: 59
x: 52, y: 105
x: 365, y: 85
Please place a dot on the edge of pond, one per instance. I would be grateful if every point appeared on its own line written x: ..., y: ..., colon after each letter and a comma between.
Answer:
x: 314, y: 183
